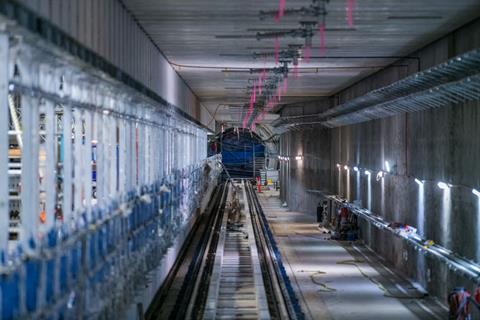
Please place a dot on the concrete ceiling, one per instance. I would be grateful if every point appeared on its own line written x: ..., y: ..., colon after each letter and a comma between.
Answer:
x: 211, y: 43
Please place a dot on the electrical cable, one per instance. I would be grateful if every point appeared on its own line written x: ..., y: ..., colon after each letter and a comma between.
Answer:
x: 253, y: 69
x: 325, y: 287
x: 387, y: 293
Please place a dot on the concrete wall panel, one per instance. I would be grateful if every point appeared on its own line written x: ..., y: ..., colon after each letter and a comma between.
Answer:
x: 432, y: 145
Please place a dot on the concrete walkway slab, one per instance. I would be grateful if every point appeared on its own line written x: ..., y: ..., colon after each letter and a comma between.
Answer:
x: 335, y: 280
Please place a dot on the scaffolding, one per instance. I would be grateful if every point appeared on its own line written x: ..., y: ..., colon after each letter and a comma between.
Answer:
x: 97, y: 180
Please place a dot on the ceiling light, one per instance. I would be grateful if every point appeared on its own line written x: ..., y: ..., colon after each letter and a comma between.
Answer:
x: 298, y: 158
x: 443, y: 185
x: 367, y: 172
x: 346, y: 168
x: 419, y: 182
x: 355, y: 169
x: 338, y: 165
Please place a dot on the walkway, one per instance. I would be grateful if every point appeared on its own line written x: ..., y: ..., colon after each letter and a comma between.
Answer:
x: 338, y: 281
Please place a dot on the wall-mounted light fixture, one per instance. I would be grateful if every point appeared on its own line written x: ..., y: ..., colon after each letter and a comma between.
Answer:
x: 387, y: 166
x: 380, y: 175
x: 443, y: 185
x: 476, y: 192
x: 298, y: 158
x: 338, y: 165
x: 346, y: 168
x: 419, y: 182
x: 355, y: 169
x: 367, y: 172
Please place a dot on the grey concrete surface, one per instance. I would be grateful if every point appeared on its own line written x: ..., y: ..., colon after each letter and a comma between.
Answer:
x: 335, y: 280
x: 434, y: 145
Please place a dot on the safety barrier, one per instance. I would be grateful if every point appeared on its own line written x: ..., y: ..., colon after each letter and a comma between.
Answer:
x: 97, y: 179
x: 96, y: 269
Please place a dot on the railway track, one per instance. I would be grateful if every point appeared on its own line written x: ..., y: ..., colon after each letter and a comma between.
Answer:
x: 230, y: 268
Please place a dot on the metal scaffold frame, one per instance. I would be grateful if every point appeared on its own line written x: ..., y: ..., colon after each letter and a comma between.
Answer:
x: 106, y: 178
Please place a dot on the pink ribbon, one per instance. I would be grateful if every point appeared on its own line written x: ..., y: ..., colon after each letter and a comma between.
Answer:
x: 349, y: 12
x: 281, y: 10
x: 277, y: 49
x: 321, y: 32
x: 307, y: 54
x: 260, y: 84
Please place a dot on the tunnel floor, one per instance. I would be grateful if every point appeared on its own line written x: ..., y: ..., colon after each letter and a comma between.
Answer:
x: 339, y: 280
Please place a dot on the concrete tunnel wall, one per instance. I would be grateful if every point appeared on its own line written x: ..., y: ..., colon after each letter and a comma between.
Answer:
x: 433, y: 145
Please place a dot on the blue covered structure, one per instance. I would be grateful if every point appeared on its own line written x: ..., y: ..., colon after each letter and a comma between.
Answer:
x: 241, y: 150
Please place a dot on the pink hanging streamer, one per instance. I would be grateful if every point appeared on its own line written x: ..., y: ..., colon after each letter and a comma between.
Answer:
x: 321, y: 32
x: 307, y: 54
x: 250, y: 107
x: 260, y: 84
x: 262, y: 115
x: 277, y: 49
x: 253, y: 127
x: 349, y: 12
x: 249, y: 112
x: 281, y: 10
x: 245, y: 120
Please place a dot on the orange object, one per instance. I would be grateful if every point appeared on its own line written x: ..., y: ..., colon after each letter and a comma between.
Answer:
x: 43, y: 217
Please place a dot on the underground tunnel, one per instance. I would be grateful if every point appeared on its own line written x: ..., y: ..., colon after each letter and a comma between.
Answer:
x: 207, y: 159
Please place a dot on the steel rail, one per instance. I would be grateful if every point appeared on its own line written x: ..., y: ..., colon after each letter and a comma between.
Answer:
x: 290, y: 301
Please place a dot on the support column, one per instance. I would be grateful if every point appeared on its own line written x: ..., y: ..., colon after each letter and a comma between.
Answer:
x: 4, y: 192
x: 122, y: 154
x: 100, y: 167
x: 30, y: 178
x: 51, y: 161
x: 87, y: 158
x: 67, y: 166
x: 78, y: 159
